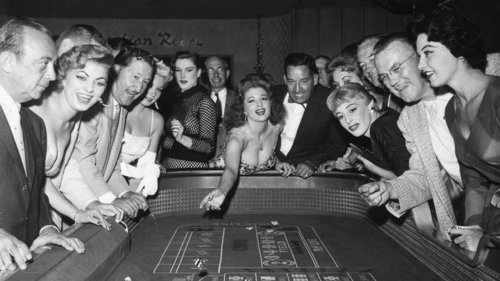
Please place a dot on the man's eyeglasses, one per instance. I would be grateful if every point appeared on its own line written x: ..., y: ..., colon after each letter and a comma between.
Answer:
x: 395, y: 70
x: 219, y: 70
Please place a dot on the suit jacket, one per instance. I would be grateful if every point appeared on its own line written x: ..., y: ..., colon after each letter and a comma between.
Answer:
x: 24, y: 207
x: 97, y: 150
x: 425, y: 179
x: 320, y: 136
x: 222, y: 130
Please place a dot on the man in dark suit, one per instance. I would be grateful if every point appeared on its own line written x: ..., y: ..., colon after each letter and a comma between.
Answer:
x: 311, y: 134
x: 218, y: 72
x: 27, y: 55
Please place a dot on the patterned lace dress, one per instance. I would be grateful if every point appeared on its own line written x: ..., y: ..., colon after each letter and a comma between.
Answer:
x: 198, y: 114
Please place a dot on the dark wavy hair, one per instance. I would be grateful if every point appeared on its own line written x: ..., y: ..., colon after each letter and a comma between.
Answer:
x: 462, y: 37
x: 195, y: 58
x: 301, y: 59
x: 78, y: 56
x: 235, y: 117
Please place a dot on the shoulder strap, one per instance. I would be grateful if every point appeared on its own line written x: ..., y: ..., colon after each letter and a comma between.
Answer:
x: 152, y: 122
x: 238, y: 134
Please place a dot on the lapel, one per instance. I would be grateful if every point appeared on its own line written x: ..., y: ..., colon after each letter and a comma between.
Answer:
x: 30, y: 154
x: 8, y: 140
x: 309, y: 119
x: 229, y: 99
x: 432, y: 168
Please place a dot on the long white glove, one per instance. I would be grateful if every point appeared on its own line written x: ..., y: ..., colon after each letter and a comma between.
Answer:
x: 147, y: 170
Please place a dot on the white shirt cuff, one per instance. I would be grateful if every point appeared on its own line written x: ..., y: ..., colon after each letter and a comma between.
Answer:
x: 394, y: 208
x: 107, y: 198
x: 47, y: 226
x: 121, y: 194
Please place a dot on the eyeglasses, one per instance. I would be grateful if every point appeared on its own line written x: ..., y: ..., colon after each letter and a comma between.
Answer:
x: 395, y: 70
x: 219, y: 70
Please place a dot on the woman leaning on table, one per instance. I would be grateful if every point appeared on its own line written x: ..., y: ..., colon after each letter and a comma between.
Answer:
x: 254, y: 121
x: 82, y: 76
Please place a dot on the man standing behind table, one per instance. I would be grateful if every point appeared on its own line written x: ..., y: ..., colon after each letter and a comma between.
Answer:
x: 27, y: 55
x: 434, y: 172
x: 311, y: 134
x: 218, y: 73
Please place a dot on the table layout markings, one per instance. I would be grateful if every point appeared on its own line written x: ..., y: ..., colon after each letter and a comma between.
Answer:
x: 308, y: 248
x: 185, y: 245
x: 221, y: 249
x: 166, y: 248
x: 324, y: 247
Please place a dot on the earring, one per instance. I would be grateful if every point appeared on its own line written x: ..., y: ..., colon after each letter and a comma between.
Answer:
x: 156, y: 105
x: 102, y: 103
x: 245, y: 116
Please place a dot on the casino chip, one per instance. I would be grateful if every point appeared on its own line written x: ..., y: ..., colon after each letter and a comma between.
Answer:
x: 199, y: 263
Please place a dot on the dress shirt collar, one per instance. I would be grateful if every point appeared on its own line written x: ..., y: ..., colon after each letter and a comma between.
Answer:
x: 222, y: 93
x: 8, y: 101
x: 290, y: 101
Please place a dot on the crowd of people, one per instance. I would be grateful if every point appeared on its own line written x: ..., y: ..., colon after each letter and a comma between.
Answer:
x: 83, y: 137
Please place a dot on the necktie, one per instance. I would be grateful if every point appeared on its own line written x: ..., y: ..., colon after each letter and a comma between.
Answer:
x: 219, y: 105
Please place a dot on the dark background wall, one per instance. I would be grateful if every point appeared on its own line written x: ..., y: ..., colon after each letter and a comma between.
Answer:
x: 314, y: 30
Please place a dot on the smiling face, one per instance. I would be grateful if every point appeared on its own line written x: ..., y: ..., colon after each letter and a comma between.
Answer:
x: 131, y: 81
x: 217, y: 73
x: 32, y: 73
x: 300, y: 82
x: 154, y: 91
x: 186, y: 74
x: 365, y: 57
x: 355, y: 116
x: 436, y: 61
x: 408, y: 84
x: 257, y: 104
x: 83, y: 87
x: 340, y: 78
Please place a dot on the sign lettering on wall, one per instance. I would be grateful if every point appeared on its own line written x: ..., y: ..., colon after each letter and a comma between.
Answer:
x: 165, y: 39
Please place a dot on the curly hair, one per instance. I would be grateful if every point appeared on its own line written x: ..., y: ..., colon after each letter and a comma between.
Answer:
x: 347, y: 93
x: 347, y: 63
x: 78, y: 56
x: 462, y: 37
x: 235, y: 117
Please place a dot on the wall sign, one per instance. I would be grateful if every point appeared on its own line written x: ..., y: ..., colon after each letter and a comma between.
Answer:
x: 165, y: 39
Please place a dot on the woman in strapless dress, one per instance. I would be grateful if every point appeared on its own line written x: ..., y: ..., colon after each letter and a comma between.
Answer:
x: 254, y: 122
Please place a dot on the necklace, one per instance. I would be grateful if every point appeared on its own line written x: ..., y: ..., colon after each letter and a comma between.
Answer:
x: 261, y: 145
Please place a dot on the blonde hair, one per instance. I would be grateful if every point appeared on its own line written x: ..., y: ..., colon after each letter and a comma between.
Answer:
x: 347, y: 93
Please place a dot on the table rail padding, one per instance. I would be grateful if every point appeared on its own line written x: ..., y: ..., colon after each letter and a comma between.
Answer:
x: 104, y: 250
x: 333, y: 193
